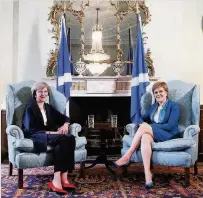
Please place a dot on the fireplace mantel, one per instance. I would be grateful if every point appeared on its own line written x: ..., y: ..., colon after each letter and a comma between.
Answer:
x: 99, y: 86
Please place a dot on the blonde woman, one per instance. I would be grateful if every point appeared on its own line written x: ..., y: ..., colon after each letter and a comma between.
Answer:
x: 48, y: 127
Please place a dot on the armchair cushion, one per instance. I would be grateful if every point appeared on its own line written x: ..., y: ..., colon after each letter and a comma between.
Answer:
x: 27, y: 145
x: 173, y: 145
x: 24, y: 145
x: 167, y: 146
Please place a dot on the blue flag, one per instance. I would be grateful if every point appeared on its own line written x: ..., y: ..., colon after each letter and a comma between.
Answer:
x: 140, y: 78
x: 64, y: 78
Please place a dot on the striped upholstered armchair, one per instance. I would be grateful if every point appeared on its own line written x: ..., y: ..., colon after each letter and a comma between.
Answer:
x: 21, y: 150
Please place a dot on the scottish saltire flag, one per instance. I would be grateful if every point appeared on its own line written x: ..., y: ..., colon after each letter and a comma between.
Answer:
x: 64, y: 79
x: 140, y: 78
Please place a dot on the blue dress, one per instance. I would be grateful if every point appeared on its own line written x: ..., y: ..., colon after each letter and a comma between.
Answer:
x: 167, y: 126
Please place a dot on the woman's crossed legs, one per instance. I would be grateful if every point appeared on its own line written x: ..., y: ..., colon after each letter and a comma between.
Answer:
x: 143, y: 136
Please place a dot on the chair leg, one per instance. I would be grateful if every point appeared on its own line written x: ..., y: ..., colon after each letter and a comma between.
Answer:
x: 151, y: 165
x: 82, y: 169
x: 10, y: 171
x: 195, y: 168
x: 187, y: 176
x: 122, y: 173
x: 20, y: 178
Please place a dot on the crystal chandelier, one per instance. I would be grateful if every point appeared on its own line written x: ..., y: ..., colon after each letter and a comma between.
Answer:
x: 97, y: 53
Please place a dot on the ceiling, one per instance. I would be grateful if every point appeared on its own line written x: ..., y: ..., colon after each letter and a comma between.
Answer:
x: 106, y: 19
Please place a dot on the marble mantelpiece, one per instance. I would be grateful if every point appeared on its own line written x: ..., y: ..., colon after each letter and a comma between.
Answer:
x: 99, y: 86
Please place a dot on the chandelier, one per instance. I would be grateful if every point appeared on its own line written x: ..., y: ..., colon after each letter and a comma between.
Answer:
x: 96, y: 53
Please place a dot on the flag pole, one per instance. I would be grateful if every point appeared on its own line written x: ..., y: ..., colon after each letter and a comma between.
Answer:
x: 130, y: 49
x: 69, y: 47
x: 68, y: 34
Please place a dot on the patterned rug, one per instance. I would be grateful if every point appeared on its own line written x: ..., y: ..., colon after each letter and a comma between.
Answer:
x: 168, y: 182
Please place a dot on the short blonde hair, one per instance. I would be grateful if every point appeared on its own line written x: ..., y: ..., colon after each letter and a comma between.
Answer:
x: 39, y: 86
x: 160, y: 84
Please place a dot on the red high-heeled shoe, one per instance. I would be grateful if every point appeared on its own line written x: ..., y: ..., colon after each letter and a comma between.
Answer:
x: 68, y: 185
x: 55, y: 189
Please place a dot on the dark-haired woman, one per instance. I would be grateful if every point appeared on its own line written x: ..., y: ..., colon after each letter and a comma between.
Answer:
x: 48, y: 128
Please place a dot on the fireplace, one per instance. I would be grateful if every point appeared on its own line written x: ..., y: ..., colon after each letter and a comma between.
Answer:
x: 103, y: 138
x: 101, y: 107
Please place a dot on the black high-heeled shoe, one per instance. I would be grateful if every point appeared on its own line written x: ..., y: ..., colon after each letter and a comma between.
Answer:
x: 120, y: 166
x: 149, y: 184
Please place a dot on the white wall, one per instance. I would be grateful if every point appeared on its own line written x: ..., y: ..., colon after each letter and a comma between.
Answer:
x: 6, y: 44
x: 175, y: 39
x: 34, y: 40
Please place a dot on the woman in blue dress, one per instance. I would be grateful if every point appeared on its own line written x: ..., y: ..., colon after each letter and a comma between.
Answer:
x: 160, y: 123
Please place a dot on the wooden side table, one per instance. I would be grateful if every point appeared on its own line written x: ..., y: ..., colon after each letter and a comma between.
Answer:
x: 103, y: 139
x: 4, y: 142
x: 104, y: 134
x: 200, y: 156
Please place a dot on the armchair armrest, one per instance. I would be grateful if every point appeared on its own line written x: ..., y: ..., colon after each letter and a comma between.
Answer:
x: 191, y: 131
x: 131, y: 129
x: 74, y: 129
x: 15, y: 131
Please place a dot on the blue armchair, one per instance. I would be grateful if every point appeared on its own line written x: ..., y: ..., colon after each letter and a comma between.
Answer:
x: 21, y: 150
x: 182, y: 152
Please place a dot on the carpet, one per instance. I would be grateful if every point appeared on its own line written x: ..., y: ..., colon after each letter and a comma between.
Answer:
x: 168, y: 182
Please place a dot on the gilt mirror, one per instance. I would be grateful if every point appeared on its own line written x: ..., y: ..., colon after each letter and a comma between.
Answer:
x: 117, y: 21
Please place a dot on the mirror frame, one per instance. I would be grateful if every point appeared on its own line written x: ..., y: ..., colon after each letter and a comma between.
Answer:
x: 79, y: 14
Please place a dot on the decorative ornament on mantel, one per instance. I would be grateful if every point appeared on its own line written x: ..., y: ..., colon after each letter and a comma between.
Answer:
x: 80, y: 67
x: 118, y: 67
